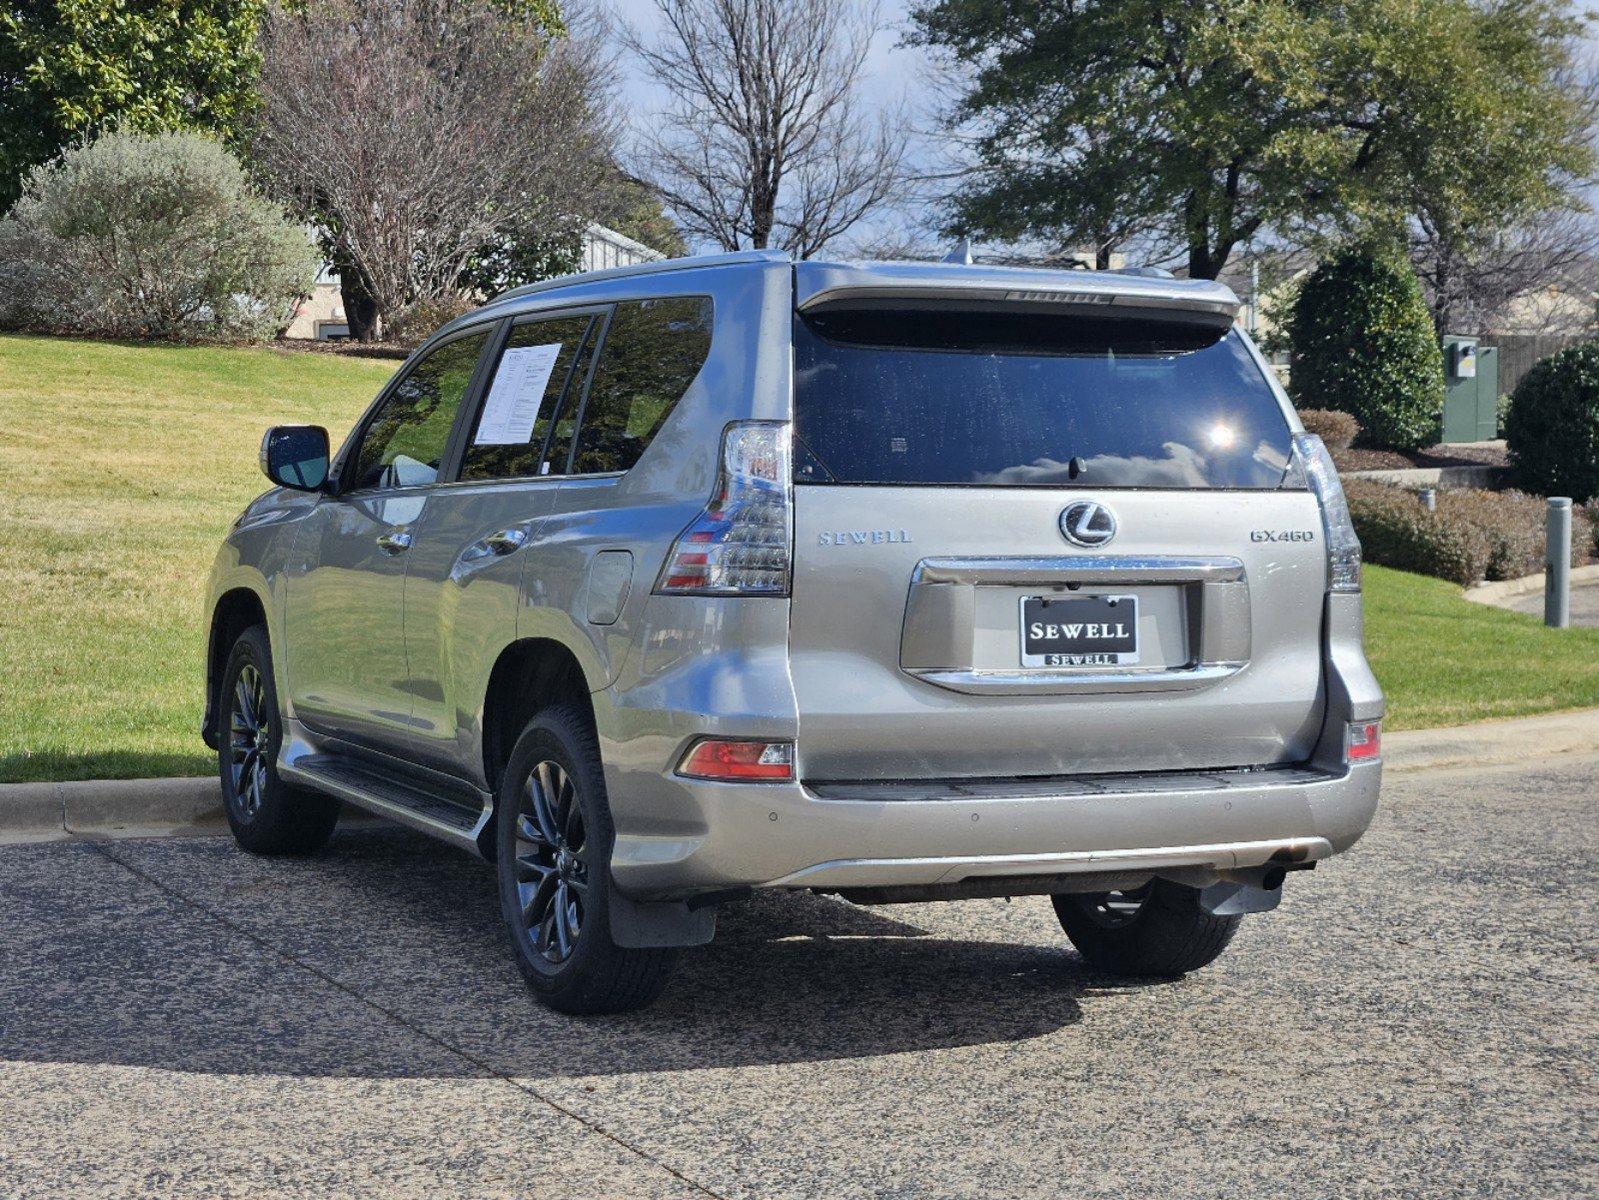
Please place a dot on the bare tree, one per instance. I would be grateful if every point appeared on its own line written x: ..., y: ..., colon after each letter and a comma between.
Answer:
x: 1470, y: 286
x: 421, y: 132
x: 766, y: 142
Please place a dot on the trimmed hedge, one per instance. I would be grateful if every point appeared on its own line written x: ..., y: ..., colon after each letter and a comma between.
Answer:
x: 1362, y: 342
x: 1471, y: 536
x: 1552, y: 425
x: 1337, y: 429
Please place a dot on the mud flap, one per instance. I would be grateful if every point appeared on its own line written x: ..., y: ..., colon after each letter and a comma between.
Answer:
x: 650, y: 924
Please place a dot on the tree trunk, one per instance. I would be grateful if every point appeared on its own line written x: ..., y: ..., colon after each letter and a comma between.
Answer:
x: 360, y: 309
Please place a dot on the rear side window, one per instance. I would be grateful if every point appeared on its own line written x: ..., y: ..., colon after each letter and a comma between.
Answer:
x: 652, y: 351
x: 533, y: 376
x: 1031, y: 400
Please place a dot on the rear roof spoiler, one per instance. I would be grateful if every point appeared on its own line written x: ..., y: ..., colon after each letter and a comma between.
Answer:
x: 821, y: 285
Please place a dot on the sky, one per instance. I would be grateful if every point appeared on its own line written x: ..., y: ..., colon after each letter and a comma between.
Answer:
x: 893, y: 75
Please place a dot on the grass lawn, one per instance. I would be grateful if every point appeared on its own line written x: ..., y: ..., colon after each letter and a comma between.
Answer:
x: 1443, y: 660
x: 121, y: 467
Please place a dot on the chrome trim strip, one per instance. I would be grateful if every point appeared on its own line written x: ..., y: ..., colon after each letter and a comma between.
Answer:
x: 1098, y: 568
x: 1079, y: 682
x: 1219, y: 855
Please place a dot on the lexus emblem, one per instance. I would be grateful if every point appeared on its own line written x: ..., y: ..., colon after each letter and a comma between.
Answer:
x: 1087, y: 523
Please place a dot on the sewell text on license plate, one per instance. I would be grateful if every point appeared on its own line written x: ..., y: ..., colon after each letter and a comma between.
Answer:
x: 1079, y: 631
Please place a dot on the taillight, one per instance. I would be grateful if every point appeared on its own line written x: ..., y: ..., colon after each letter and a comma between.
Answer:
x: 1362, y: 741
x: 739, y: 544
x: 724, y: 759
x: 1343, y: 547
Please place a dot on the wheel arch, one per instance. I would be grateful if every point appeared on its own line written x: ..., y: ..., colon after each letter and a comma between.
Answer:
x: 529, y: 675
x: 235, y: 610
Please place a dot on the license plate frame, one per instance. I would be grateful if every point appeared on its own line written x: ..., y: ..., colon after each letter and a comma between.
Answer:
x: 1115, y: 613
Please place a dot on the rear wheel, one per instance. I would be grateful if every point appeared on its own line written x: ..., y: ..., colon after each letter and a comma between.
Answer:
x: 1158, y: 929
x: 267, y: 815
x: 553, y: 840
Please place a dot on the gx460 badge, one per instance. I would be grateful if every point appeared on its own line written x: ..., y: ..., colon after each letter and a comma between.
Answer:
x: 1282, y: 535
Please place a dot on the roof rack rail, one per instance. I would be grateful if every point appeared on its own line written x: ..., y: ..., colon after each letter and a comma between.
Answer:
x: 646, y: 268
x: 1144, y: 272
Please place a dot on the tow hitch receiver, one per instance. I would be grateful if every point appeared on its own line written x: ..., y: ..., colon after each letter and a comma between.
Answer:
x: 1257, y: 889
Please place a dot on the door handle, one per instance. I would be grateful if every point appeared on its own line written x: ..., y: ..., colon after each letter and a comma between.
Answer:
x: 506, y: 540
x: 395, y: 541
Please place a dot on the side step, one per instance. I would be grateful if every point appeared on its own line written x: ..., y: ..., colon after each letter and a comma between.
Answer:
x: 399, y: 800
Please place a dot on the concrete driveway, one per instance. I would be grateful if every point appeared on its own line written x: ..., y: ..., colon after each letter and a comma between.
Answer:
x: 1420, y: 1018
x: 1584, y: 604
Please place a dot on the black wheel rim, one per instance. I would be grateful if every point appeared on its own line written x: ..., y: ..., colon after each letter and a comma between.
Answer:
x: 552, y: 867
x: 249, y: 733
x: 1112, y: 910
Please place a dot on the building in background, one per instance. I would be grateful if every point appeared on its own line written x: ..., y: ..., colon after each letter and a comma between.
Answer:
x: 320, y: 316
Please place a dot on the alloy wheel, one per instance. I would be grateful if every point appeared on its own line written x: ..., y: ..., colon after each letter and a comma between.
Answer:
x: 249, y: 735
x: 551, y: 860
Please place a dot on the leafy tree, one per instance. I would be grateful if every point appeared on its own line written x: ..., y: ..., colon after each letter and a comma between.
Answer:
x: 1362, y: 342
x: 636, y: 211
x: 136, y: 235
x: 71, y: 68
x: 1201, y: 125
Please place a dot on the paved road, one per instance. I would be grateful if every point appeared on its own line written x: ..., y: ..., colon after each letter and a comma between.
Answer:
x: 1584, y: 604
x: 1420, y: 1019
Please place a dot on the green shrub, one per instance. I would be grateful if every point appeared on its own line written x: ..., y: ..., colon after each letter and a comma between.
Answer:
x: 1472, y: 535
x: 1396, y: 531
x: 1337, y: 429
x: 150, y: 236
x: 1362, y: 342
x: 1552, y: 425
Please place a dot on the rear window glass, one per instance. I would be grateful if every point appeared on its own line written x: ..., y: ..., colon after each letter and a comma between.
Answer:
x: 1030, y: 400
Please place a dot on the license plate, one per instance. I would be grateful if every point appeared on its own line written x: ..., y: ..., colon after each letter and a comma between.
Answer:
x: 1079, y: 631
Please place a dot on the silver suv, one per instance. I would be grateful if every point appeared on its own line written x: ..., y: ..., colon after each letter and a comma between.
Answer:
x: 900, y: 582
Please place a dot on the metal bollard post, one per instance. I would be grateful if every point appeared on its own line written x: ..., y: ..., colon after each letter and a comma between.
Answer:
x: 1557, y: 564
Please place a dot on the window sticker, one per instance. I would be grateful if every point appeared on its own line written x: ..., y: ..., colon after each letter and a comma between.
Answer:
x: 516, y: 395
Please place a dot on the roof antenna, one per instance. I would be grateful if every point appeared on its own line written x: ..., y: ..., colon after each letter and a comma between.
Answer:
x: 962, y: 253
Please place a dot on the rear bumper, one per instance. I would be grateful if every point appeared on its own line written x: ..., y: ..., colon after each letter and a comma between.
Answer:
x: 871, y: 834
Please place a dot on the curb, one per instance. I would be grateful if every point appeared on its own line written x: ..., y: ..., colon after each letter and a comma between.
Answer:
x: 1511, y: 589
x: 1492, y: 743
x: 160, y: 807
x: 1472, y: 476
x: 41, y: 811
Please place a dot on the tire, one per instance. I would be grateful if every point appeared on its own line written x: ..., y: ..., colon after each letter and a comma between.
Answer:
x: 1159, y: 929
x: 553, y: 844
x: 267, y: 815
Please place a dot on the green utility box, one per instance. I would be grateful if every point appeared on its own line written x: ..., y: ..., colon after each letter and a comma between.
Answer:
x: 1471, y: 390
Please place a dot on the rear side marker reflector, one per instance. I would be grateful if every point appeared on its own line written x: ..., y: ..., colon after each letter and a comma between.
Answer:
x: 1362, y: 741
x: 722, y: 759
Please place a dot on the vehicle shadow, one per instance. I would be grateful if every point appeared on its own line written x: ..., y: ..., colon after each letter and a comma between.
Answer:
x: 383, y: 957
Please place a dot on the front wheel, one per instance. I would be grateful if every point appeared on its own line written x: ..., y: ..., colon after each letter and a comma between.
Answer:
x: 267, y: 815
x: 553, y: 842
x: 1158, y: 929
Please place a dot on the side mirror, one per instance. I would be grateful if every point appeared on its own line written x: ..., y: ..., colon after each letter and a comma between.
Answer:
x: 296, y: 456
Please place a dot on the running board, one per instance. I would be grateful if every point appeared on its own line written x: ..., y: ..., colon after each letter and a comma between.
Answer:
x: 385, y: 796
